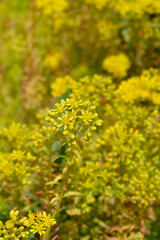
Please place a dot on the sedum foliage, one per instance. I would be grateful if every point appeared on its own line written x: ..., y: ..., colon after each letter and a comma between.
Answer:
x: 80, y: 120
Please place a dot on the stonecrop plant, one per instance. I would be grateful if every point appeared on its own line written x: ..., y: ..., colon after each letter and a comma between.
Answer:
x: 80, y: 120
x: 15, y: 228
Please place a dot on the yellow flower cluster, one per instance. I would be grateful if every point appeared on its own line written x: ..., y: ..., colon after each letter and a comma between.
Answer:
x: 100, y: 4
x: 16, y: 228
x: 51, y: 6
x: 120, y: 169
x: 99, y: 89
x: 136, y: 8
x: 61, y: 85
x: 126, y: 152
x: 42, y: 137
x: 53, y: 61
x: 16, y: 134
x: 72, y: 117
x: 135, y: 184
x: 117, y: 65
x: 16, y: 166
x: 152, y: 30
x: 144, y: 88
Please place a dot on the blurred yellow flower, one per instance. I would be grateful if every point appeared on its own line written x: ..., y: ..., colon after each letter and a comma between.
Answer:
x: 50, y: 6
x: 53, y: 61
x: 61, y: 85
x: 117, y: 65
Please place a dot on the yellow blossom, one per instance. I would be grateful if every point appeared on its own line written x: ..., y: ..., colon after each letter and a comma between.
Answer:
x: 53, y: 61
x: 57, y: 89
x: 117, y: 65
x: 51, y: 6
x: 143, y: 88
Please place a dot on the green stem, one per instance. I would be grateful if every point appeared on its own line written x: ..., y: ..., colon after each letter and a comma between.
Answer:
x: 62, y: 192
x: 51, y: 168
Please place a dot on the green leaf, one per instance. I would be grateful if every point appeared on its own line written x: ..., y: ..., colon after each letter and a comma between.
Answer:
x: 59, y: 177
x: 72, y: 193
x: 54, y: 199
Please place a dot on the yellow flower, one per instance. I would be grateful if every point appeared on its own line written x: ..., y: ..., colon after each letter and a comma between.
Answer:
x: 51, y: 6
x: 98, y: 3
x: 53, y: 61
x: 9, y: 224
x: 96, y: 89
x: 117, y: 65
x: 73, y: 117
x: 138, y: 7
x: 57, y: 89
x: 35, y: 223
x: 143, y: 88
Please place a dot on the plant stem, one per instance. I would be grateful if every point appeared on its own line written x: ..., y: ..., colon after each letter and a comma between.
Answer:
x: 62, y: 192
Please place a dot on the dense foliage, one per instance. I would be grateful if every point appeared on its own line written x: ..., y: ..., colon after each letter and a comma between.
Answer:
x: 80, y: 119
